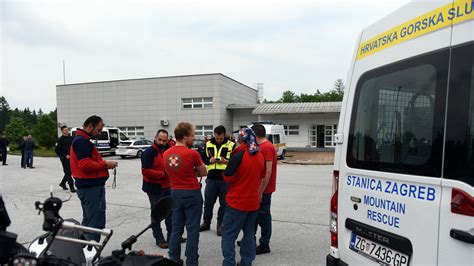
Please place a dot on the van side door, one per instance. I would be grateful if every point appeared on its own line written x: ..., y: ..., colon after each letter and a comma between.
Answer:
x: 456, y: 228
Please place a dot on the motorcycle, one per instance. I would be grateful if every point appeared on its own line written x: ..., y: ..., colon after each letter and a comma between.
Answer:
x: 65, y: 242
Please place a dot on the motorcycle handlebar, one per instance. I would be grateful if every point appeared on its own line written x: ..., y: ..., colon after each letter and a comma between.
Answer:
x: 73, y: 226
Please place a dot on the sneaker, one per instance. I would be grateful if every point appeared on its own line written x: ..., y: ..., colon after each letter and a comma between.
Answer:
x: 63, y: 186
x: 183, y: 240
x: 262, y: 250
x: 5, y: 164
x: 163, y: 245
x: 238, y: 242
x: 204, y: 227
x: 32, y: 167
x: 219, y: 230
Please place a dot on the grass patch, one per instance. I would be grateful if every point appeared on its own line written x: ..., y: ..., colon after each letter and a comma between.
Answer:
x: 40, y: 152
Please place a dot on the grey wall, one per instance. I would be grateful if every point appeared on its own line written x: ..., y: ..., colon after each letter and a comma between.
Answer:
x: 144, y: 102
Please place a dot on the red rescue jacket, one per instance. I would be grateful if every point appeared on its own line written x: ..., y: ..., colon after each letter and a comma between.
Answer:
x: 87, y: 166
x: 244, y: 173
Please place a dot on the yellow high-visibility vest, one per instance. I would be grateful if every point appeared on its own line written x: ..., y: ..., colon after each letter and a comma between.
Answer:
x: 217, y: 154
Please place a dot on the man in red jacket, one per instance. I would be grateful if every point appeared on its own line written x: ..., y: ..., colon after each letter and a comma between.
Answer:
x: 90, y: 173
x: 244, y: 173
x: 156, y: 183
x: 264, y: 217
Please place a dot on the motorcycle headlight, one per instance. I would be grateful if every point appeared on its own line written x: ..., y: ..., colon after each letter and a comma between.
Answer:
x: 24, y: 260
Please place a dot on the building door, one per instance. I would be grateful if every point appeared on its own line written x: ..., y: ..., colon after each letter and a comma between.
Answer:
x: 320, y: 133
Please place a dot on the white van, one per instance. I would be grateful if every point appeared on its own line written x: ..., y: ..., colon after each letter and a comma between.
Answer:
x: 403, y: 186
x: 275, y: 134
x: 108, y: 139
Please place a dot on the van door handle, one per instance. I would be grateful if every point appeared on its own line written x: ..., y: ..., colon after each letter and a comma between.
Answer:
x: 462, y: 236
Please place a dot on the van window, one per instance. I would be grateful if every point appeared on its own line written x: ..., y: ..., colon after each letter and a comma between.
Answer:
x: 123, y: 137
x: 398, y: 117
x: 103, y: 136
x: 459, y: 155
x: 276, y: 139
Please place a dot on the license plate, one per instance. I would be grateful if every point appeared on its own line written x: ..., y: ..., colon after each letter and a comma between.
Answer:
x: 379, y: 253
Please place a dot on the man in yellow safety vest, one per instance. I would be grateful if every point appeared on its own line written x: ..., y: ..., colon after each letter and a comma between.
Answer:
x: 218, y: 152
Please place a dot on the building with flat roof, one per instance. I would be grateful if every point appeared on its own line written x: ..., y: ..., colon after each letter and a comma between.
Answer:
x: 139, y: 107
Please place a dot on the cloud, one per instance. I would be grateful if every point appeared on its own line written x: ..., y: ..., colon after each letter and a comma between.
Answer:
x: 298, y: 45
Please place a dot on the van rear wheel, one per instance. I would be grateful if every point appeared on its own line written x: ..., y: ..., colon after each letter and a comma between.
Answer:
x: 139, y: 154
x: 123, y: 156
x: 283, y: 154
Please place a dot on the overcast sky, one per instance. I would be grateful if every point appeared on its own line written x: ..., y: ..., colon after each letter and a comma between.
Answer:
x: 287, y: 45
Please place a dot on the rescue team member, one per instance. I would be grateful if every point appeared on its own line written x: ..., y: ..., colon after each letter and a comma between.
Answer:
x: 63, y: 147
x: 181, y: 165
x: 156, y: 183
x: 264, y: 217
x: 244, y: 174
x: 90, y: 173
x: 218, y: 151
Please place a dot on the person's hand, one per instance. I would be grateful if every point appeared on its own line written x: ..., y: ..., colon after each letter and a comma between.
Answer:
x: 111, y: 164
x: 212, y: 160
x: 68, y: 157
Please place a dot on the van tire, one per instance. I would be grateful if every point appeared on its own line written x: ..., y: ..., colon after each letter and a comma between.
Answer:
x: 123, y: 156
x: 283, y: 155
x: 139, y: 154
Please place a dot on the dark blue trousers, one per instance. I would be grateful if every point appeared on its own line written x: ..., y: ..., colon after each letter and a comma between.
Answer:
x: 93, y: 208
x: 157, y: 232
x: 214, y: 188
x: 234, y: 221
x: 264, y: 220
x: 187, y: 211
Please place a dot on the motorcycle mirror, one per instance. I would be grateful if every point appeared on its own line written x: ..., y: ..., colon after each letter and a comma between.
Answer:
x: 161, y: 210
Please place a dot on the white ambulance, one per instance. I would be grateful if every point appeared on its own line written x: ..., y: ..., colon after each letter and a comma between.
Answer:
x: 403, y: 180
x: 276, y: 135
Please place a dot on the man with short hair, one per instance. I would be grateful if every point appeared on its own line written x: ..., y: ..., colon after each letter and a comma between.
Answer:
x: 218, y: 151
x: 183, y: 165
x: 90, y: 173
x: 264, y: 217
x: 62, y: 149
x: 244, y: 174
x: 29, y: 146
x: 156, y: 183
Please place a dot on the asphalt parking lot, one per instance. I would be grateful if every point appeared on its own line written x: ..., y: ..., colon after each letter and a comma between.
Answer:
x: 299, y: 209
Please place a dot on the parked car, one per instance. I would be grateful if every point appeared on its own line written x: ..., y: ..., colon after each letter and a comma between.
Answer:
x: 134, y: 147
x: 199, y: 145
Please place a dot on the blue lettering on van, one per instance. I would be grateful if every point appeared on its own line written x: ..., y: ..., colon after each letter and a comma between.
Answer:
x: 420, y: 192
x: 385, y: 204
x: 383, y: 218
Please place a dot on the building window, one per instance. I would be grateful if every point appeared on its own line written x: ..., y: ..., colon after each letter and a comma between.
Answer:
x: 133, y: 132
x: 197, y: 103
x: 203, y: 131
x: 292, y: 130
x: 329, y: 132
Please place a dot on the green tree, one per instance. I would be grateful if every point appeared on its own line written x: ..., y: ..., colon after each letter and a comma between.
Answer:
x: 289, y: 97
x: 5, y: 113
x: 339, y: 86
x: 45, y: 131
x: 15, y: 131
x: 54, y: 115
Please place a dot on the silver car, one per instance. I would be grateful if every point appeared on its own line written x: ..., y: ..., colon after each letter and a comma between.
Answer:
x: 134, y: 147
